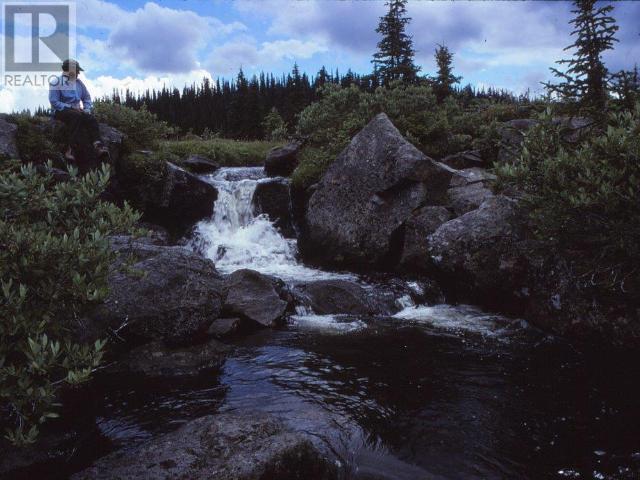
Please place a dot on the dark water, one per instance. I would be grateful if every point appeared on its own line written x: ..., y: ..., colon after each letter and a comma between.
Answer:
x: 404, y: 399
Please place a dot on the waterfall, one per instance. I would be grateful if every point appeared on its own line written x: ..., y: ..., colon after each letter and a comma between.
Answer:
x: 236, y: 238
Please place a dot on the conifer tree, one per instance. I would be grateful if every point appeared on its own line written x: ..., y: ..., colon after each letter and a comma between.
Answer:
x: 394, y: 58
x: 445, y: 79
x: 585, y: 81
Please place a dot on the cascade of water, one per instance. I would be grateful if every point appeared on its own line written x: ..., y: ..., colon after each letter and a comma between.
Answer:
x: 235, y: 238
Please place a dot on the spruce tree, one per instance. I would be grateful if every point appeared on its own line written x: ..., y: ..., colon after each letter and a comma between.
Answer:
x: 445, y: 79
x: 394, y: 58
x: 585, y: 81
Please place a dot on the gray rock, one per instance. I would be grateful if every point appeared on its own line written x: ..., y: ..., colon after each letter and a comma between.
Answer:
x: 180, y: 200
x: 461, y: 160
x: 469, y: 176
x: 273, y: 198
x: 155, y: 359
x: 327, y: 297
x: 255, y: 297
x: 228, y: 446
x: 200, y: 164
x: 475, y: 255
x: 224, y: 327
x: 282, y: 161
x: 159, y: 293
x: 112, y: 139
x: 423, y: 222
x: 511, y: 137
x: 8, y: 147
x: 469, y: 197
x: 366, y: 195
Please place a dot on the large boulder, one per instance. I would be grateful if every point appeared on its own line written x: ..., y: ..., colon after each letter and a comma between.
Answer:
x: 282, y: 161
x: 169, y: 196
x: 468, y: 197
x: 8, y: 147
x: 421, y: 224
x: 112, y: 139
x: 158, y: 293
x: 272, y: 197
x: 326, y: 297
x: 477, y: 256
x: 356, y: 213
x: 256, y: 297
x: 230, y: 446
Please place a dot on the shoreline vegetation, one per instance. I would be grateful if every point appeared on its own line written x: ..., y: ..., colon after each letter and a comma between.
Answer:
x: 562, y: 171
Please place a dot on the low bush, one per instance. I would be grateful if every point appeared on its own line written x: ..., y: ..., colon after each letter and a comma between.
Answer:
x: 585, y: 199
x: 54, y: 261
x: 225, y: 152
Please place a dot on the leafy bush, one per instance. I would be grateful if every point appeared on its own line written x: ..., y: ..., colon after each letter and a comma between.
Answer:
x: 54, y: 259
x: 142, y: 128
x: 585, y: 199
x: 37, y: 139
x: 437, y: 129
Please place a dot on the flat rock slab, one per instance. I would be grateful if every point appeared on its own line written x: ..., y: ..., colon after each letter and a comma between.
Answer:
x: 246, y: 446
x: 156, y: 360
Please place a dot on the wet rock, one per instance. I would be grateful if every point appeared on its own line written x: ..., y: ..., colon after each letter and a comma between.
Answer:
x: 245, y: 446
x: 200, y: 164
x: 461, y: 160
x: 282, y: 161
x: 467, y: 198
x: 8, y: 147
x: 327, y: 297
x: 184, y: 200
x: 156, y: 360
x: 273, y: 198
x: 255, y: 297
x: 475, y: 253
x: 355, y: 216
x: 225, y: 327
x: 421, y: 224
x: 159, y: 293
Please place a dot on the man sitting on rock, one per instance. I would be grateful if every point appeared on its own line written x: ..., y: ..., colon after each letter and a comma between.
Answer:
x: 71, y: 104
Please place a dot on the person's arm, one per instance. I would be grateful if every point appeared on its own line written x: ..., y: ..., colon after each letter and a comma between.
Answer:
x: 87, y: 104
x: 55, y: 99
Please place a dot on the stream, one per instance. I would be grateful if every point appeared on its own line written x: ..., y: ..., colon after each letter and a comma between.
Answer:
x: 434, y: 391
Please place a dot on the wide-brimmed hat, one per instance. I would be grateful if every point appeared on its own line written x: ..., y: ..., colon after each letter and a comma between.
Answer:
x: 71, y: 63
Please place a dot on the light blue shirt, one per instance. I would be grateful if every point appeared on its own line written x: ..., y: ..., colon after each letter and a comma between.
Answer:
x: 65, y: 93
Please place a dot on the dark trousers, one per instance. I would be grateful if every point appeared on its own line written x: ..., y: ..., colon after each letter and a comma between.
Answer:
x: 82, y: 126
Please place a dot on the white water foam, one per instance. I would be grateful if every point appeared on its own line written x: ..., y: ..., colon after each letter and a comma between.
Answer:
x: 327, y: 323
x: 235, y: 238
x: 459, y: 319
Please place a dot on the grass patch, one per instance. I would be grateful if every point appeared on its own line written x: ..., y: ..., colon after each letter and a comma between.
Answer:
x: 225, y: 152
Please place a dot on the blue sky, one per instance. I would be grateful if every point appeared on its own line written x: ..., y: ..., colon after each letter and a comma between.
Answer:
x: 140, y: 44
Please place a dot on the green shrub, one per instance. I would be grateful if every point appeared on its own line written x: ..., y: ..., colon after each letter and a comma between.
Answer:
x: 142, y: 128
x: 38, y: 140
x: 54, y: 260
x: 585, y: 199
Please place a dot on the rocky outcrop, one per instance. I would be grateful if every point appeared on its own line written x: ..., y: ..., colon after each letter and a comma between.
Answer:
x: 225, y: 327
x: 169, y: 196
x: 356, y: 213
x: 421, y: 224
x: 112, y: 139
x: 158, y: 293
x: 8, y: 147
x: 282, y: 161
x: 256, y: 297
x: 326, y: 297
x: 156, y: 360
x: 200, y: 164
x: 477, y: 255
x: 462, y: 160
x: 273, y: 198
x: 511, y: 138
x: 228, y: 446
